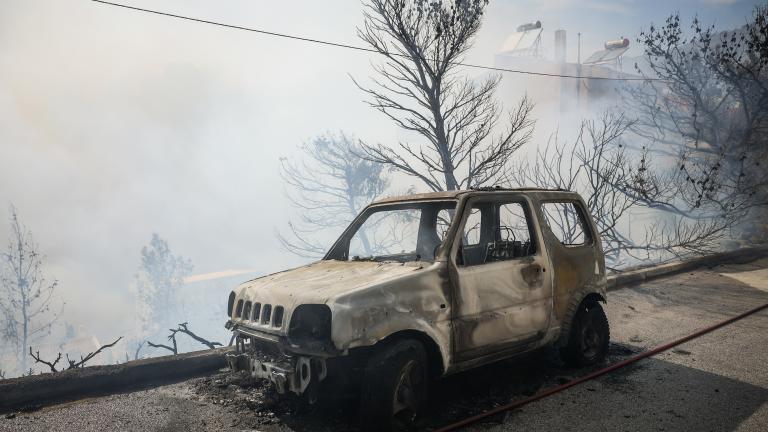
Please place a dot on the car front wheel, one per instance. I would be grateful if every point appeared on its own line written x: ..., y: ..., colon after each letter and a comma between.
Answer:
x: 394, y: 387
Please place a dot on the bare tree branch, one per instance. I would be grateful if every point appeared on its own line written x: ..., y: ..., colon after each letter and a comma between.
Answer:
x: 172, y: 337
x: 83, y: 360
x: 614, y: 182
x: 419, y: 89
x: 183, y: 328
x: 51, y: 365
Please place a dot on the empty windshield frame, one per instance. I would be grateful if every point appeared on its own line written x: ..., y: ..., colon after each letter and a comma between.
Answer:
x: 341, y: 248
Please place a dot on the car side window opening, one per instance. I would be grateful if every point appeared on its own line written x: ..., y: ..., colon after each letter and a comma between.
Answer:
x: 566, y: 222
x: 496, y: 232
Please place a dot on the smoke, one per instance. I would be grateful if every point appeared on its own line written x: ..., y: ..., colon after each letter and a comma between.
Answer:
x: 116, y: 124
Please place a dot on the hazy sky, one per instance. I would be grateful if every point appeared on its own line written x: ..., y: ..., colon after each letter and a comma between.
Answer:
x: 115, y: 124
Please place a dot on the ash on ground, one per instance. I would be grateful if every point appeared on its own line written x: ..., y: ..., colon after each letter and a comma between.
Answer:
x: 257, y: 404
x: 260, y: 407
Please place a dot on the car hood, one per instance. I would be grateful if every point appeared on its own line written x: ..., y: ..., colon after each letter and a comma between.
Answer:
x: 321, y: 281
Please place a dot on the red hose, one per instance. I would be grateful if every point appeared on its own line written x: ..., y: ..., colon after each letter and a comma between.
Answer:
x: 598, y: 373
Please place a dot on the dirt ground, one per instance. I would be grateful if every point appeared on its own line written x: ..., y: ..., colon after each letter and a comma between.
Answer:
x: 717, y: 382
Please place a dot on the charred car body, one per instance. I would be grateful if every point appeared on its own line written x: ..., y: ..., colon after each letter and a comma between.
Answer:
x: 424, y: 286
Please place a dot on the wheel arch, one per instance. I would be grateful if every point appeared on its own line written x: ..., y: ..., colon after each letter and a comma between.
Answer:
x: 435, y: 360
x: 576, y: 302
x: 593, y: 297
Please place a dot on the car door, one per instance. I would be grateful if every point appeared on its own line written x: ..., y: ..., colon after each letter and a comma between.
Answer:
x: 503, y: 287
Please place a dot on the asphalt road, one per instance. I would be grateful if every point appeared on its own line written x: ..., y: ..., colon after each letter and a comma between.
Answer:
x: 715, y: 383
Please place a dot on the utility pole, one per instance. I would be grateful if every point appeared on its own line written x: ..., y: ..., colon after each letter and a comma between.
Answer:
x: 578, y: 71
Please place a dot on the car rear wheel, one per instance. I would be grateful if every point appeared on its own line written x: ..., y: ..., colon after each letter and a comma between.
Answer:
x: 394, y: 387
x: 590, y: 334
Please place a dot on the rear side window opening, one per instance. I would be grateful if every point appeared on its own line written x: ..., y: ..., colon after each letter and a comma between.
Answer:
x: 567, y: 222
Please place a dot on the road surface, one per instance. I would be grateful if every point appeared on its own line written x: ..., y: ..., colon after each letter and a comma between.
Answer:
x: 714, y: 383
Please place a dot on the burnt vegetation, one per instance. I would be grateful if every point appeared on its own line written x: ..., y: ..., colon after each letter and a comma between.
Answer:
x: 71, y: 364
x: 709, y: 115
x: 173, y: 347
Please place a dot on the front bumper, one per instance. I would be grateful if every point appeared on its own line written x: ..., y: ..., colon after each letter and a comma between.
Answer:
x: 294, y: 374
x: 267, y: 356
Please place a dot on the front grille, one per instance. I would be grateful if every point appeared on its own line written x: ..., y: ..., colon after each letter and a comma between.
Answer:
x: 256, y: 312
x: 262, y: 315
x: 266, y: 314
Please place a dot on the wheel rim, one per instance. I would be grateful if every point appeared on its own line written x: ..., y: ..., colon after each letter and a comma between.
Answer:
x: 405, y: 402
x: 590, y: 337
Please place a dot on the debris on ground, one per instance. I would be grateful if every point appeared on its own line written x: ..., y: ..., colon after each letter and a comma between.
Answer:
x: 259, y: 406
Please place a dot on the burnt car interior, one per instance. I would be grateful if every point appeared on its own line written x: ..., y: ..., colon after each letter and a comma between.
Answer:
x: 496, y: 231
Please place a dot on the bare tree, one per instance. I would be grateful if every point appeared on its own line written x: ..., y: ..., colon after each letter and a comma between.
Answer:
x: 160, y: 275
x: 26, y: 297
x: 614, y: 182
x: 73, y: 364
x: 420, y: 89
x: 329, y: 187
x: 709, y: 112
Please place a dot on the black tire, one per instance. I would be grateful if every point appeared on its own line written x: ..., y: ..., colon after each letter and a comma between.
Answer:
x: 589, y: 337
x: 394, y: 387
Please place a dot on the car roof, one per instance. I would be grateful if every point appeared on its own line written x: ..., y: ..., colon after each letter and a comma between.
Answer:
x: 456, y: 193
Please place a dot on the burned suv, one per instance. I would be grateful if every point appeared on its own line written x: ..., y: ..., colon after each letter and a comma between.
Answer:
x: 423, y: 286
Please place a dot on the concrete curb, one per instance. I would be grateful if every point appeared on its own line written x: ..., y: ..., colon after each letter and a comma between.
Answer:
x: 640, y: 275
x: 34, y: 391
